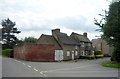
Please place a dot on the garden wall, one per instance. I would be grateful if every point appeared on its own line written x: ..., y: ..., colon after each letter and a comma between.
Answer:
x: 35, y: 52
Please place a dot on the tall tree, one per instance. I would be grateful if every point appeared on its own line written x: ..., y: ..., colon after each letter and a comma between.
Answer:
x: 8, y: 31
x: 111, y: 28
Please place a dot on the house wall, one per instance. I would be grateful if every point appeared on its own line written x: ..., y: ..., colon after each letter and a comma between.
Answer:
x: 104, y: 47
x: 42, y: 40
x: 35, y: 52
x: 70, y: 48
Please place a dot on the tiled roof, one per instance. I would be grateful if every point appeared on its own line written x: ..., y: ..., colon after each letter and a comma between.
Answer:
x: 81, y: 38
x: 51, y: 40
x: 65, y: 39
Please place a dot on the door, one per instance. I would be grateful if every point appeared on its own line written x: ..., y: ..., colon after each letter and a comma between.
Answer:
x: 58, y: 55
x: 73, y: 57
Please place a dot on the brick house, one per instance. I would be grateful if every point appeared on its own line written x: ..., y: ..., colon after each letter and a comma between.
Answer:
x: 86, y: 47
x: 68, y: 46
x: 101, y: 45
x: 56, y: 47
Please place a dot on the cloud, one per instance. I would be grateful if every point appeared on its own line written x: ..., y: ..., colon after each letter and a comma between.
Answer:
x: 34, y: 17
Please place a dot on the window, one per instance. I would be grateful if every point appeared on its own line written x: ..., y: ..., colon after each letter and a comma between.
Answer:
x: 68, y: 53
x: 82, y: 44
x: 82, y: 53
x: 89, y: 44
x: 76, y: 52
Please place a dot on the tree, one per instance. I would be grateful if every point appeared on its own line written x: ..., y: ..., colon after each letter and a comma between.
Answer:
x: 8, y: 31
x: 111, y: 28
x: 30, y: 40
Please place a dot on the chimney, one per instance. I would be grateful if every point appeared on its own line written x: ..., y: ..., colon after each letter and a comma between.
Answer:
x: 54, y: 31
x: 85, y: 34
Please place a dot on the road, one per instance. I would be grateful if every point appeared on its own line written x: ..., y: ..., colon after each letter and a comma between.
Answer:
x: 0, y: 67
x: 84, y: 68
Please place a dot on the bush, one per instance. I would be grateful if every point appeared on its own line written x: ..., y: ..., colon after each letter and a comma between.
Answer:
x: 100, y: 56
x: 98, y: 53
x: 7, y: 52
x: 116, y: 54
x: 90, y: 57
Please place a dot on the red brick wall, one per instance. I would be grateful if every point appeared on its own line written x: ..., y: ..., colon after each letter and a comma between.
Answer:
x: 35, y: 52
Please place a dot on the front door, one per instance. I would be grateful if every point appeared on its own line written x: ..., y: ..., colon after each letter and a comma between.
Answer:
x: 73, y: 55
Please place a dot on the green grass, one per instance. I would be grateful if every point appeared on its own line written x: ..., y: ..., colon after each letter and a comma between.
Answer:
x: 110, y: 64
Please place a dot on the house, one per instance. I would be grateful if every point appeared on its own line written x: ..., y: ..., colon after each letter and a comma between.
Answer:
x: 50, y: 40
x: 86, y: 47
x: 66, y: 48
x: 101, y: 45
x: 56, y: 47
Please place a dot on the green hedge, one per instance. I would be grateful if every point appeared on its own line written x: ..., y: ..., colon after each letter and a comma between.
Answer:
x: 90, y: 57
x: 98, y: 53
x: 99, y: 56
x: 7, y: 53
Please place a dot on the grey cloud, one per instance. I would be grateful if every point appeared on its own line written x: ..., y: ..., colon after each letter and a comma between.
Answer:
x: 75, y: 23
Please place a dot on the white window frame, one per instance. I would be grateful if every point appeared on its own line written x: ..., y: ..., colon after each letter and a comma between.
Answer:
x: 68, y: 53
x: 83, y: 44
x: 76, y: 53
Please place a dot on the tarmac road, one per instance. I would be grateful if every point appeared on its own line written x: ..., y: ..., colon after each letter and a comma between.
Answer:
x: 84, y: 68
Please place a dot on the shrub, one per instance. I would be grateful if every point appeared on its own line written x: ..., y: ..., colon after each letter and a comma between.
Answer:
x: 98, y: 53
x: 87, y: 57
x: 99, y: 56
x: 7, y: 52
x: 116, y: 54
x: 90, y: 57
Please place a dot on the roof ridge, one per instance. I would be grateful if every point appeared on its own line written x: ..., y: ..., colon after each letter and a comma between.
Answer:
x: 77, y: 33
x: 46, y: 35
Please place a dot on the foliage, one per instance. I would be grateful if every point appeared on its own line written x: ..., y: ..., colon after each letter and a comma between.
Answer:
x: 30, y: 40
x: 110, y: 64
x: 110, y: 26
x: 116, y: 54
x: 8, y: 31
x: 7, y: 53
x: 26, y: 40
x: 99, y: 56
x: 87, y: 57
x: 98, y: 53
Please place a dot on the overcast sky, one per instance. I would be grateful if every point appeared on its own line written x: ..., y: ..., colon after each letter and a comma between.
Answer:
x: 36, y: 17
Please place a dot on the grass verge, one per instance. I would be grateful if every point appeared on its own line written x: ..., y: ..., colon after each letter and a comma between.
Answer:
x: 110, y: 64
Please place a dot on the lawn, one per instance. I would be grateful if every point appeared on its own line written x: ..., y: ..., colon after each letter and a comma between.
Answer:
x: 111, y: 64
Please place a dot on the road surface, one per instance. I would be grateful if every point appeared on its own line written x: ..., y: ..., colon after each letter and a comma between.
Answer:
x: 85, y: 68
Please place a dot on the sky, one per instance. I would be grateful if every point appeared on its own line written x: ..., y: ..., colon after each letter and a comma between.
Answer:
x: 36, y: 17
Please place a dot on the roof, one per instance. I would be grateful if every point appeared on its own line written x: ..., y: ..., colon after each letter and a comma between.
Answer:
x: 95, y: 41
x: 65, y: 39
x: 49, y: 39
x: 81, y: 38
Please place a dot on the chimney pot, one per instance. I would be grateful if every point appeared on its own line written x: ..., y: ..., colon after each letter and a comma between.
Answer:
x: 85, y: 34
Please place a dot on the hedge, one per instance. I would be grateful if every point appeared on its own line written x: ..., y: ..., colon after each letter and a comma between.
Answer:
x: 87, y: 57
x: 7, y: 52
x: 98, y: 53
x: 99, y: 56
